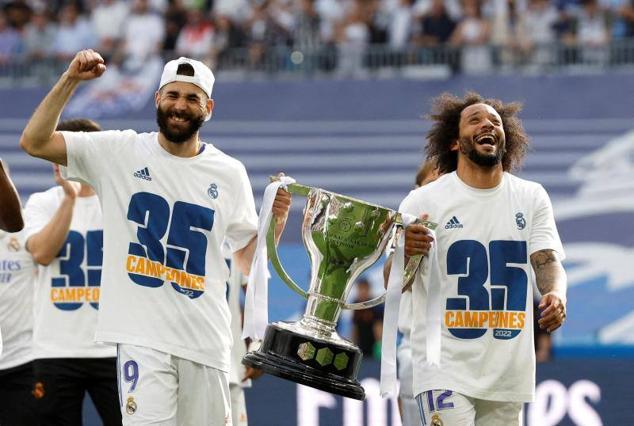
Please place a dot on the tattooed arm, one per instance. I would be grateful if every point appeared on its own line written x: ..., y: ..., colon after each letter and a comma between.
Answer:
x: 551, y: 282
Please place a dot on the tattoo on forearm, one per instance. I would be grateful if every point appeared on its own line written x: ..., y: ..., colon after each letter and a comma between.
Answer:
x: 549, y: 274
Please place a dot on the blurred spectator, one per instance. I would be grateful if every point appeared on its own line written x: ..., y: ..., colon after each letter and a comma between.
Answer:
x: 228, y: 36
x: 473, y: 35
x: 593, y: 33
x: 108, y: 21
x: 306, y: 26
x: 10, y: 41
x: 400, y: 28
x: 196, y: 38
x: 144, y: 34
x: 352, y: 42
x: 331, y: 14
x: 18, y: 13
x: 436, y: 25
x: 237, y: 11
x: 74, y: 33
x: 39, y: 36
x: 622, y: 16
x: 367, y: 324
x: 271, y: 24
x: 175, y: 19
x: 536, y: 32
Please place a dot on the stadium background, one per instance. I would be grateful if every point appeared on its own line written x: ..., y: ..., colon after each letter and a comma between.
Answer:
x: 361, y: 133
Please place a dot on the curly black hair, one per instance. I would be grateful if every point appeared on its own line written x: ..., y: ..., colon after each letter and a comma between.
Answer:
x: 446, y: 112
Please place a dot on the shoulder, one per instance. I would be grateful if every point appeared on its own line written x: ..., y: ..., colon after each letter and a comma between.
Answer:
x: 50, y: 196
x: 230, y: 164
x: 432, y: 188
x: 528, y: 187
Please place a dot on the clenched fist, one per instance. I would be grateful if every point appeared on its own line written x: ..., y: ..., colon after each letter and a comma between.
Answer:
x: 86, y: 65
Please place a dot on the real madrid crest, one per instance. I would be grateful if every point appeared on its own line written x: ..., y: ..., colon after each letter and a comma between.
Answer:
x: 14, y: 244
x: 435, y: 420
x: 212, y: 191
x: 520, y: 221
x: 130, y: 406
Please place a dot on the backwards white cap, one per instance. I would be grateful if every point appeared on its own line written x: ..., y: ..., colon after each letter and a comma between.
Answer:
x: 203, y: 77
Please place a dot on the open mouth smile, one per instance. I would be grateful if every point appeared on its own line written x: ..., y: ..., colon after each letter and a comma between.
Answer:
x: 486, y: 139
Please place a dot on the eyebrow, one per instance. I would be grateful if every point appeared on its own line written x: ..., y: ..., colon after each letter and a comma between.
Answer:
x: 187, y: 95
x: 475, y: 113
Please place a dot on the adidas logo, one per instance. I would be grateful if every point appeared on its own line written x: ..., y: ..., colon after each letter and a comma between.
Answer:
x: 143, y: 174
x: 453, y: 223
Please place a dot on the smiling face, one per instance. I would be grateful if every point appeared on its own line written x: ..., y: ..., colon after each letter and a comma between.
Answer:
x: 181, y: 110
x: 481, y: 135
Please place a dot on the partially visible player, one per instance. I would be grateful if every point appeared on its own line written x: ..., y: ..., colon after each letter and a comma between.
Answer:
x: 65, y: 236
x: 496, y: 235
x: 240, y: 376
x: 427, y: 173
x: 10, y: 209
x: 171, y: 201
x: 17, y: 279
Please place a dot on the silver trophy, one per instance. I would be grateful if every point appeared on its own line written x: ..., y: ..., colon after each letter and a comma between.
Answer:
x: 344, y: 236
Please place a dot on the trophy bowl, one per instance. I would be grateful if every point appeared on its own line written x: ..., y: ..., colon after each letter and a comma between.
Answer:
x: 343, y: 237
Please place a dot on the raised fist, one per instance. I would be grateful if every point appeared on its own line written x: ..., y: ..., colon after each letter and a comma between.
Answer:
x: 86, y: 65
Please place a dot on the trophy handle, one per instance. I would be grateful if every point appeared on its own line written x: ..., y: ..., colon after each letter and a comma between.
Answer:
x: 293, y: 188
x: 408, y: 276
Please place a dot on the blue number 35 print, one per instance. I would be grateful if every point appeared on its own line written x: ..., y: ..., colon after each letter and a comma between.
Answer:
x: 500, y: 307
x: 77, y: 284
x: 182, y: 263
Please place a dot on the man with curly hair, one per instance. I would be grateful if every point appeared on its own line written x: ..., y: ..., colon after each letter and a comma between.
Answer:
x: 472, y: 337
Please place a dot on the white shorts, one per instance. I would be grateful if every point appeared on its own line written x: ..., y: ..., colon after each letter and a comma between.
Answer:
x: 238, y: 405
x: 161, y: 389
x: 447, y: 408
x: 408, y: 405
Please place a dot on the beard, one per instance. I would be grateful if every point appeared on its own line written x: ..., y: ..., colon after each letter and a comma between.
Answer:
x: 177, y: 135
x: 468, y: 148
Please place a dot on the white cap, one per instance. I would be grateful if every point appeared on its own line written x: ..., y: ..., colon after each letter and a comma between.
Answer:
x: 203, y: 77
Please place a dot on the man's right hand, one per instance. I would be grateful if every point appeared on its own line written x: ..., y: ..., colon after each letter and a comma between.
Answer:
x: 418, y: 239
x: 86, y: 65
x: 71, y: 189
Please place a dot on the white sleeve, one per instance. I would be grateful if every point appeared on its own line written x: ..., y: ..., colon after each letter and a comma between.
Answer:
x: 39, y: 209
x: 544, y: 233
x: 243, y: 223
x: 409, y: 205
x: 88, y: 154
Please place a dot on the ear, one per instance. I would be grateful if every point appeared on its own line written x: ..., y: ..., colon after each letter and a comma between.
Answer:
x: 157, y: 98
x: 210, y: 107
x: 454, y: 146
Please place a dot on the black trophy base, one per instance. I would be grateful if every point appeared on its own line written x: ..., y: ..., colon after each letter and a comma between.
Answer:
x: 309, y: 361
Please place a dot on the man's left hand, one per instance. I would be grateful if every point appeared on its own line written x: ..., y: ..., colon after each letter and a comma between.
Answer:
x: 252, y: 373
x: 553, y: 311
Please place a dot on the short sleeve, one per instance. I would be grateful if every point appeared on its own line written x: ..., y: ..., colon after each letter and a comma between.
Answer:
x: 544, y: 235
x: 39, y: 209
x: 243, y: 223
x: 88, y: 154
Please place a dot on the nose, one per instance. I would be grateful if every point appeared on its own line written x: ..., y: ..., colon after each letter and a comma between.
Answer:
x: 180, y: 104
x: 487, y: 124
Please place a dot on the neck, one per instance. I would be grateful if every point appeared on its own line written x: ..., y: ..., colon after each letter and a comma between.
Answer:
x: 85, y: 191
x: 189, y: 148
x: 477, y: 176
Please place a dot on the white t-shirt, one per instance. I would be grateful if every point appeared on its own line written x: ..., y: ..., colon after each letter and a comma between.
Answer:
x: 67, y: 290
x: 165, y: 219
x: 484, y: 241
x: 17, y: 278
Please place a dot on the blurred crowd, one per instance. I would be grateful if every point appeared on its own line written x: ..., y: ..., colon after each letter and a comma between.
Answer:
x: 334, y: 33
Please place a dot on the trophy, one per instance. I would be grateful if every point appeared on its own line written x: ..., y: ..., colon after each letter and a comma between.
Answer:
x: 343, y: 236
